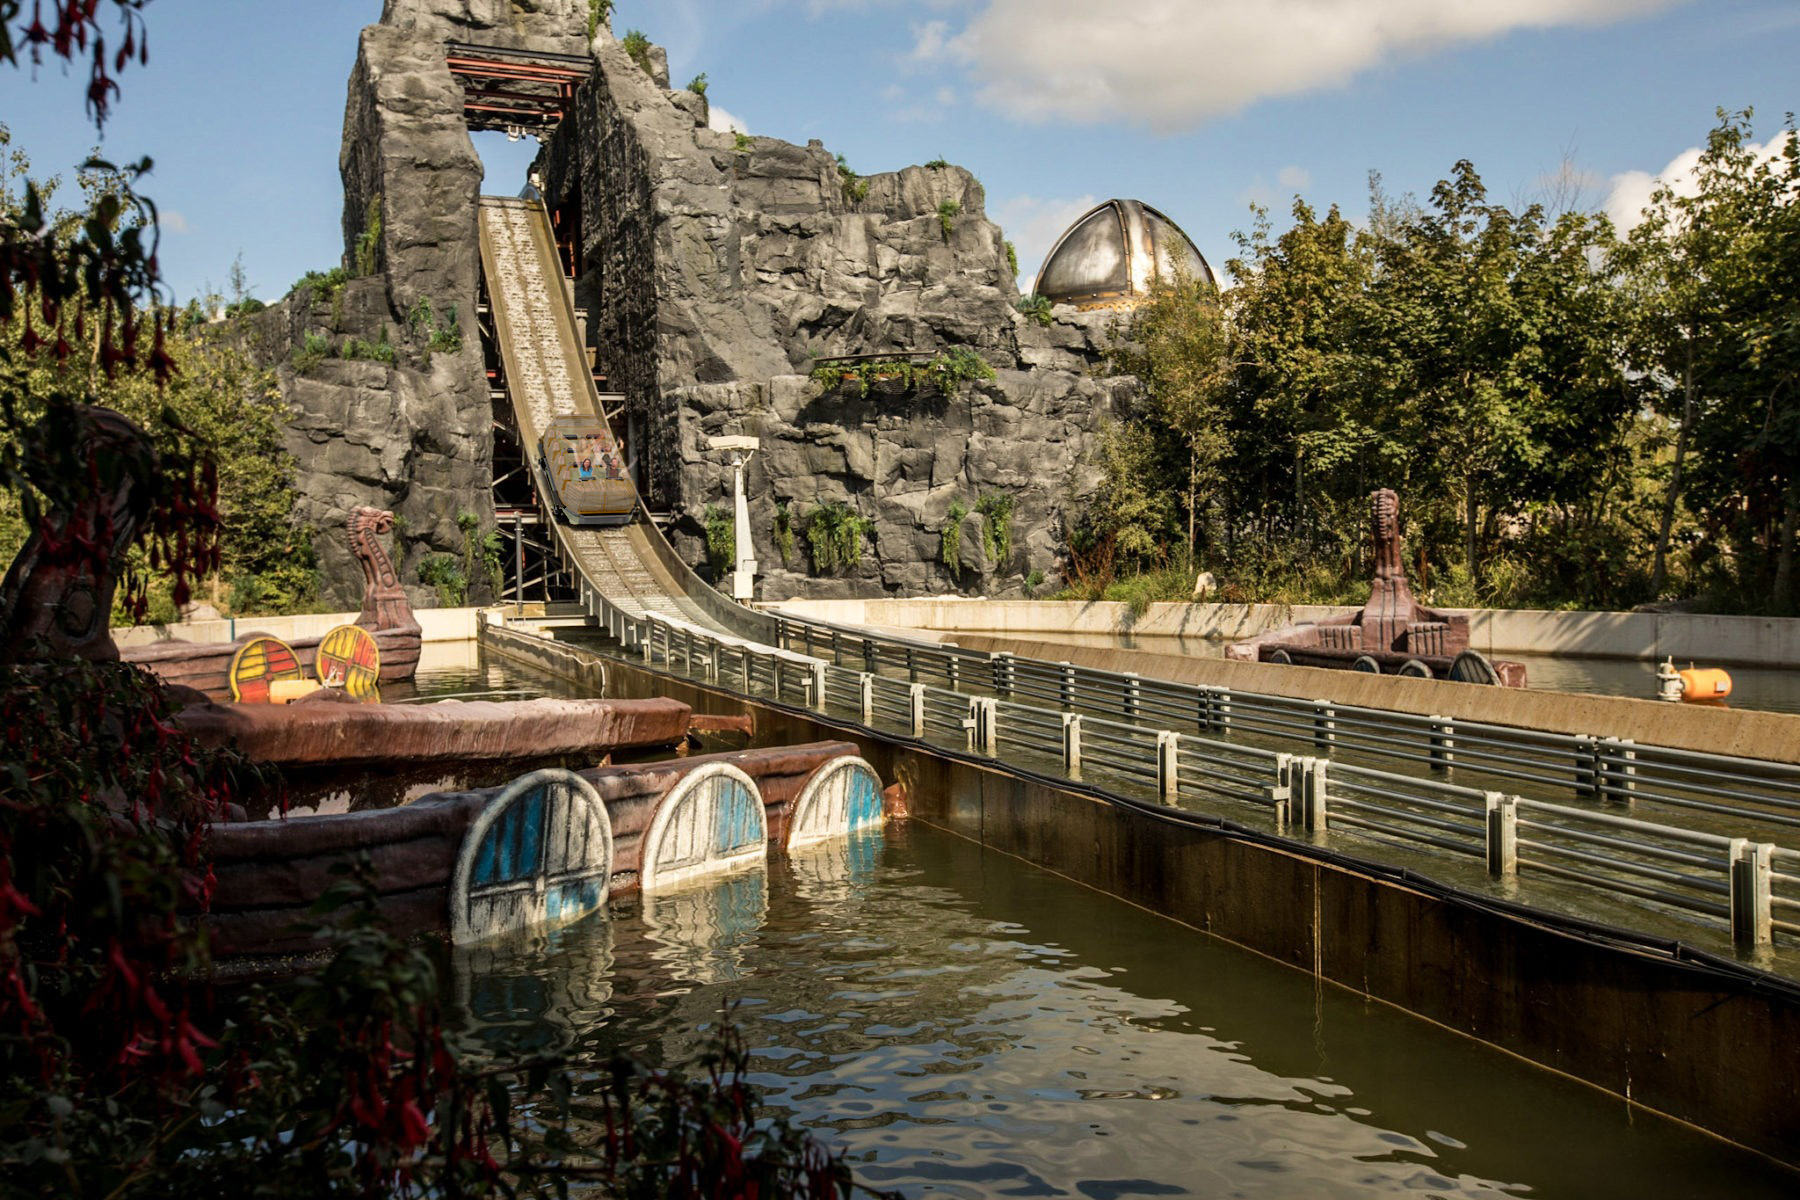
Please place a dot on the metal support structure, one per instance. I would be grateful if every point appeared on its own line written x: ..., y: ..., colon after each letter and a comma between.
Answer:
x: 519, y: 561
x: 1324, y: 724
x: 1004, y: 674
x: 917, y: 691
x: 1442, y: 753
x: 1617, y: 770
x: 1750, y: 907
x: 1280, y: 794
x: 1502, y: 834
x: 818, y: 687
x: 1131, y: 700
x: 867, y: 682
x: 1310, y: 783
x: 983, y: 726
x: 1071, y: 723
x: 1168, y: 765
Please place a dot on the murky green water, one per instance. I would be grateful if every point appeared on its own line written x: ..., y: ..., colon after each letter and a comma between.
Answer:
x: 966, y: 1025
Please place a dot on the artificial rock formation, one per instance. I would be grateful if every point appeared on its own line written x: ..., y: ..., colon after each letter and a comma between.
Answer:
x: 713, y: 270
x: 412, y: 435
x: 717, y: 268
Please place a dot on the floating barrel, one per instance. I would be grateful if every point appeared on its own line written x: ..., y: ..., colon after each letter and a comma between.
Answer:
x: 711, y: 821
x: 842, y: 797
x: 1704, y: 685
x: 539, y: 854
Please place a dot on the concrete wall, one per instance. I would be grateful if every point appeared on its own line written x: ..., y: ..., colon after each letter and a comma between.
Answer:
x: 1703, y: 1041
x: 435, y: 625
x: 1706, y: 640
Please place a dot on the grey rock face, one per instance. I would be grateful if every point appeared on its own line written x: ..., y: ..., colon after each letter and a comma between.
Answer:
x: 415, y: 435
x: 718, y: 270
x: 714, y: 273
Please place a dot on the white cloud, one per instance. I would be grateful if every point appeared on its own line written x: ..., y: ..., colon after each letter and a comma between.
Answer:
x: 724, y: 122
x: 1631, y: 190
x: 1033, y: 225
x: 1293, y: 178
x: 170, y: 221
x: 1171, y: 64
x: 928, y: 43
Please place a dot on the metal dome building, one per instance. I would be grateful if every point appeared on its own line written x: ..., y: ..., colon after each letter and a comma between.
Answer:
x: 1110, y: 255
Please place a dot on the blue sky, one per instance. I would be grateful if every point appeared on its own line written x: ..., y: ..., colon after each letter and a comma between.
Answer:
x: 1199, y: 107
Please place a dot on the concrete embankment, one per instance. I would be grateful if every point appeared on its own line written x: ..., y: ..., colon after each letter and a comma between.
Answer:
x: 435, y: 625
x: 1702, y: 1039
x: 1712, y: 640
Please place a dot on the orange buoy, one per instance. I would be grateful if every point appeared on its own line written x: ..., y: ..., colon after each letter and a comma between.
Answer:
x: 1704, y: 685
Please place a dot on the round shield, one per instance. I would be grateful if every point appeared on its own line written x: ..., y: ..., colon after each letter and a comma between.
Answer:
x: 258, y: 663
x: 1472, y: 666
x: 350, y: 659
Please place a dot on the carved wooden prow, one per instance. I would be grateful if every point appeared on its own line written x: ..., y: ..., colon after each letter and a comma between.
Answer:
x: 57, y: 599
x: 1391, y: 609
x: 384, y: 602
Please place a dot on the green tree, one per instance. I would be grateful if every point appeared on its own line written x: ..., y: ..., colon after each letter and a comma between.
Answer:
x: 1176, y: 345
x: 1304, y: 435
x: 1710, y: 277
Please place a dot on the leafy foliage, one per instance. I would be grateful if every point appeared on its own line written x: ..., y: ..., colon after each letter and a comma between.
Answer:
x: 445, y: 573
x: 953, y: 367
x: 1012, y: 259
x: 637, y: 46
x: 997, y: 508
x: 784, y: 531
x: 950, y: 537
x: 480, y: 553
x: 368, y: 242
x: 438, y: 331
x: 834, y: 537
x: 854, y: 186
x: 946, y: 215
x: 721, y: 540
x: 599, y: 12
x: 741, y: 141
x: 697, y: 84
x: 943, y: 372
x: 937, y: 164
x: 1037, y: 308
x: 380, y: 350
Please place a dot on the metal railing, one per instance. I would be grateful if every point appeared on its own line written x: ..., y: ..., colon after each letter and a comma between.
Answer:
x: 1694, y: 834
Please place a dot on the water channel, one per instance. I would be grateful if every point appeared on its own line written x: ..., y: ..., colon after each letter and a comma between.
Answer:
x: 966, y: 1025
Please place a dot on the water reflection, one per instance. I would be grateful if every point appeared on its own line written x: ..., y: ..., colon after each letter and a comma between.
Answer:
x: 968, y: 1026
x: 834, y: 870
x: 537, y: 991
x: 701, y: 933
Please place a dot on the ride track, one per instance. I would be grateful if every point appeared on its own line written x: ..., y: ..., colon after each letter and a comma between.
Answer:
x: 546, y: 377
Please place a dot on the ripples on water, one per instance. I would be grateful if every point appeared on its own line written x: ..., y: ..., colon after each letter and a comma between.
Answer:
x: 967, y: 1026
